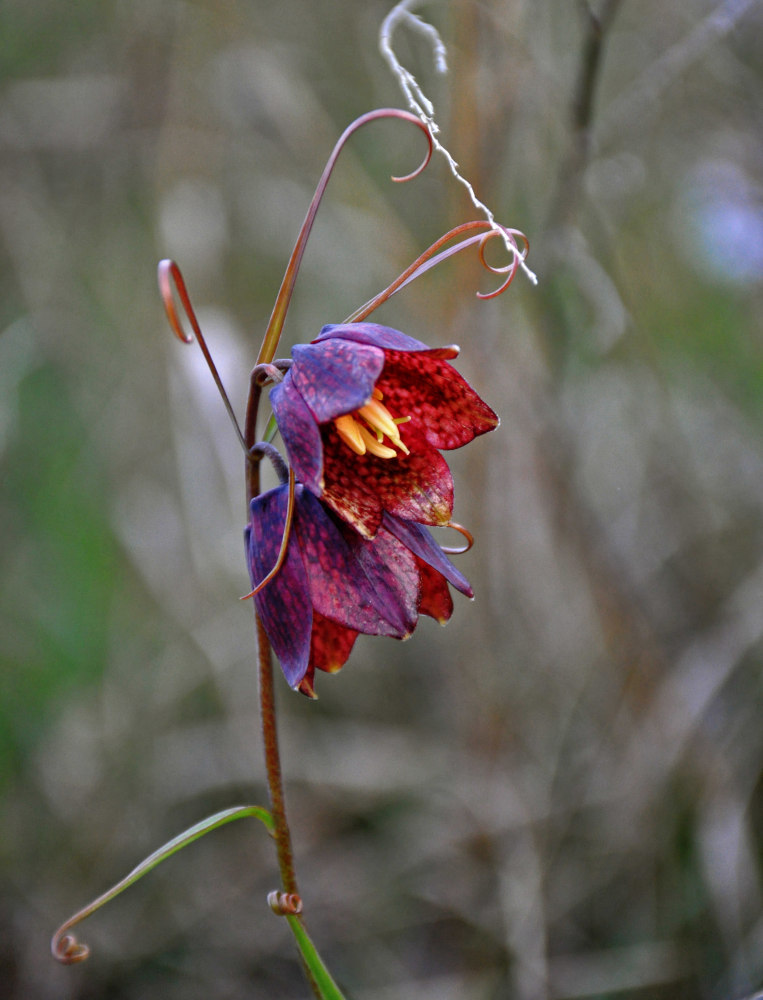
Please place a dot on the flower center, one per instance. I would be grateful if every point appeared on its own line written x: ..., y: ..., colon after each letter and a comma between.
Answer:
x: 364, y: 430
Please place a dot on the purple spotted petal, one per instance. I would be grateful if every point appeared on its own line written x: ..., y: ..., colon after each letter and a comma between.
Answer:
x: 300, y: 434
x: 391, y: 569
x: 284, y: 605
x: 420, y: 542
x: 336, y: 376
x: 338, y: 579
x: 381, y: 336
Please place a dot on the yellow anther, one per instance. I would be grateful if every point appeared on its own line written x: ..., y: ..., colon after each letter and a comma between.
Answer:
x: 374, y: 446
x: 349, y: 430
x: 364, y: 430
x: 380, y: 420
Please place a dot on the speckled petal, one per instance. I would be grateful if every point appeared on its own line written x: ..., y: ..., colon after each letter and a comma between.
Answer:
x: 284, y: 605
x: 435, y: 599
x: 331, y: 644
x: 437, y: 398
x: 339, y: 584
x: 392, y: 573
x: 418, y: 486
x: 336, y: 376
x: 419, y: 541
x: 300, y: 434
x: 381, y: 336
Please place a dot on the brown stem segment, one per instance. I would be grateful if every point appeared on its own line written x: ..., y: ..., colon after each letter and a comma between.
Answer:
x: 273, y: 762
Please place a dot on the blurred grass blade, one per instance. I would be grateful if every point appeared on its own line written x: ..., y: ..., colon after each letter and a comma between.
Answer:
x: 68, y: 950
x: 327, y: 988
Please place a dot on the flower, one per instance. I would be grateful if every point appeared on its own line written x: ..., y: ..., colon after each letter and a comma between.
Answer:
x: 334, y: 583
x: 364, y: 411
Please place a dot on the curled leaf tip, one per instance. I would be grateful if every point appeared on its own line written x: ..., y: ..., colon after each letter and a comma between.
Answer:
x: 67, y: 949
x: 64, y: 945
x: 285, y: 904
x: 430, y: 148
x: 509, y: 238
x: 462, y: 531
x: 170, y: 278
x: 170, y: 282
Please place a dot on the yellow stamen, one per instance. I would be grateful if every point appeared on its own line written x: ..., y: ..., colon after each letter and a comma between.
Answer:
x: 374, y: 446
x: 380, y: 420
x: 364, y: 430
x: 349, y: 430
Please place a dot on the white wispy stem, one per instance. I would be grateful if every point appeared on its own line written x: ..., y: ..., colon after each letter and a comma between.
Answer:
x: 423, y: 108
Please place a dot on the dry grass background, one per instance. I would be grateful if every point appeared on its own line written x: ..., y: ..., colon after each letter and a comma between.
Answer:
x: 557, y: 796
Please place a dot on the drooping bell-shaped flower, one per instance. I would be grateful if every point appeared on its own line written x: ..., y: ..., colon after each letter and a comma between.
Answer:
x: 335, y: 584
x: 364, y: 412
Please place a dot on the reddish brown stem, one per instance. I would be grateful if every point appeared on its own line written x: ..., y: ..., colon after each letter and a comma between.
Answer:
x: 273, y: 762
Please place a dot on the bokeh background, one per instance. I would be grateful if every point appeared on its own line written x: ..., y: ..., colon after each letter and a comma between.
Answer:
x: 559, y: 795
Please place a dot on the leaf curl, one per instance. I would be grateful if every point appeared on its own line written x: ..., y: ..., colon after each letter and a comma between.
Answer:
x: 65, y: 946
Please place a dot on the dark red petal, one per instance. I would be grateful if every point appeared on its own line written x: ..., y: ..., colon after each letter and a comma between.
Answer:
x: 284, y: 605
x: 336, y: 376
x: 331, y: 645
x: 306, y: 684
x: 381, y: 336
x: 435, y: 597
x: 420, y: 542
x: 418, y: 486
x: 300, y: 433
x: 339, y: 585
x: 436, y: 398
x: 347, y: 496
x: 330, y: 648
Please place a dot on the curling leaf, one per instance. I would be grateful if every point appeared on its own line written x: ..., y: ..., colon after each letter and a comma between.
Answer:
x: 68, y: 950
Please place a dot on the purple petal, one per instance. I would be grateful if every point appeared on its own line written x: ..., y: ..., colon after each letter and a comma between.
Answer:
x: 392, y: 572
x: 380, y: 336
x: 300, y: 434
x: 336, y: 376
x: 420, y: 542
x: 284, y: 605
x: 340, y: 588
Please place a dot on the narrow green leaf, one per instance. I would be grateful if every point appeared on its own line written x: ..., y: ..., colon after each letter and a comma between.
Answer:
x: 65, y: 946
x: 271, y: 430
x: 328, y: 989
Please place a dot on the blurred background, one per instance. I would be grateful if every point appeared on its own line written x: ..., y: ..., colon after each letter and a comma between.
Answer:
x: 558, y: 795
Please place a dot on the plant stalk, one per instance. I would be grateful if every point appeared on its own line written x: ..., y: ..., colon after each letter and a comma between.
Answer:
x: 281, y: 834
